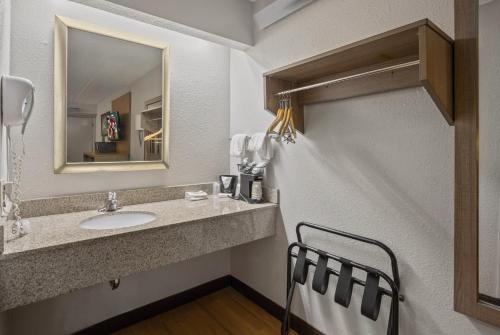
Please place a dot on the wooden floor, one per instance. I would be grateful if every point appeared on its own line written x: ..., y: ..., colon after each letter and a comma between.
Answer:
x: 225, y: 312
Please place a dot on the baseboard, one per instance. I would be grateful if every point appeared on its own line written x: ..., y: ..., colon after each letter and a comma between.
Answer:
x: 148, y: 311
x: 296, y: 323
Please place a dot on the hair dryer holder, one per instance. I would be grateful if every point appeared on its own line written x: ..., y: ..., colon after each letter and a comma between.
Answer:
x: 16, y: 105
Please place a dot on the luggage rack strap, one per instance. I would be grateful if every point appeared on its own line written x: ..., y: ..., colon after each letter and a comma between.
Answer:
x: 388, y: 251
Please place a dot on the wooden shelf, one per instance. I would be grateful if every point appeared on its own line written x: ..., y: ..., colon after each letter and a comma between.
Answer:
x: 421, y: 41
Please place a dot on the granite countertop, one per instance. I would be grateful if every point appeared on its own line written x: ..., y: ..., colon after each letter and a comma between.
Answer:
x: 54, y: 231
x: 58, y: 256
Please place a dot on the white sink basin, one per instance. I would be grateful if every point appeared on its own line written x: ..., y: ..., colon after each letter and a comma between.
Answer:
x: 117, y: 220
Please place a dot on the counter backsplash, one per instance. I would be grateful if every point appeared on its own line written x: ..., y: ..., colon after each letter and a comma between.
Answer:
x: 89, y: 201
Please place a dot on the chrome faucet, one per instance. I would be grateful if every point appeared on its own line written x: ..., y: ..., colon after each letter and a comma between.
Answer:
x: 111, y: 204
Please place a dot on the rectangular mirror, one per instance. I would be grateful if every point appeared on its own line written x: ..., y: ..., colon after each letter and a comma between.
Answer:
x: 477, y: 191
x: 489, y: 152
x: 110, y: 100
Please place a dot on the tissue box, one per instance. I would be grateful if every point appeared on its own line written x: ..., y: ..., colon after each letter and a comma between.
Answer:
x: 193, y: 196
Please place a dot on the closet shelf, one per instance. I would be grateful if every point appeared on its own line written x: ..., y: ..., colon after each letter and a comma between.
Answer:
x: 149, y: 110
x: 418, y: 54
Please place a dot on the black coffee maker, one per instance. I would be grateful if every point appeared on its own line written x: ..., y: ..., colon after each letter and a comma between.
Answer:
x: 228, y: 184
x: 246, y: 181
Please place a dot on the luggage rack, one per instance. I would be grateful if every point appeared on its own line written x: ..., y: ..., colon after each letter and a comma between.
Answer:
x: 372, y: 296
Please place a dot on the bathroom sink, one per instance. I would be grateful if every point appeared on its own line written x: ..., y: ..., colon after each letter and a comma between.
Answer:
x: 117, y: 220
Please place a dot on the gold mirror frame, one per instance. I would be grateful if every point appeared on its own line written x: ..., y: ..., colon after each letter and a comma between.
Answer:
x: 62, y: 25
x: 466, y: 288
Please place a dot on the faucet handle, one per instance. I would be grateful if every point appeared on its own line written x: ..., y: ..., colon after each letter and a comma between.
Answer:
x: 111, y: 195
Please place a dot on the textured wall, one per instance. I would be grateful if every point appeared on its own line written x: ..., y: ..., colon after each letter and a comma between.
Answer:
x: 381, y: 166
x: 4, y: 35
x: 4, y: 68
x: 199, y: 102
x: 489, y: 164
x: 5, y: 8
x: 199, y: 131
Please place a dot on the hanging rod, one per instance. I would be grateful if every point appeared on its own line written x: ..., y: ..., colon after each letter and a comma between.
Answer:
x: 354, y: 76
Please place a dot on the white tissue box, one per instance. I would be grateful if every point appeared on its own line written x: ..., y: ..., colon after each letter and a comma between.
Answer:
x: 194, y: 196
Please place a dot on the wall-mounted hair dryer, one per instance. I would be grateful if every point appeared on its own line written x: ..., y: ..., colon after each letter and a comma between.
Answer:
x: 17, y: 97
x: 16, y: 104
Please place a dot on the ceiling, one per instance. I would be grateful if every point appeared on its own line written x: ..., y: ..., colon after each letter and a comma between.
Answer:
x: 99, y: 66
x: 228, y: 22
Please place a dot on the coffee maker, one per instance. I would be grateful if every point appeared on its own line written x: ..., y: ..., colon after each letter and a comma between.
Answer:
x: 246, y: 182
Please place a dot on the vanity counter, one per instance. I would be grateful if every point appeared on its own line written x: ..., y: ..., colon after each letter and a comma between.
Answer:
x: 58, y: 256
x: 53, y: 231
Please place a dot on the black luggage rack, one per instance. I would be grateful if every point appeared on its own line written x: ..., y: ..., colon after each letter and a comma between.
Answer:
x: 372, y: 296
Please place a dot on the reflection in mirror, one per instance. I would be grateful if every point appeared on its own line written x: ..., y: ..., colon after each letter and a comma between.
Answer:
x: 489, y: 149
x: 114, y: 99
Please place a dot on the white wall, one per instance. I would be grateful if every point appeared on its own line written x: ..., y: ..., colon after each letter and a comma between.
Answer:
x: 199, y: 102
x: 199, y: 132
x: 380, y: 166
x: 4, y: 36
x: 5, y: 9
x: 489, y: 164
x: 4, y: 69
x: 81, y: 137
